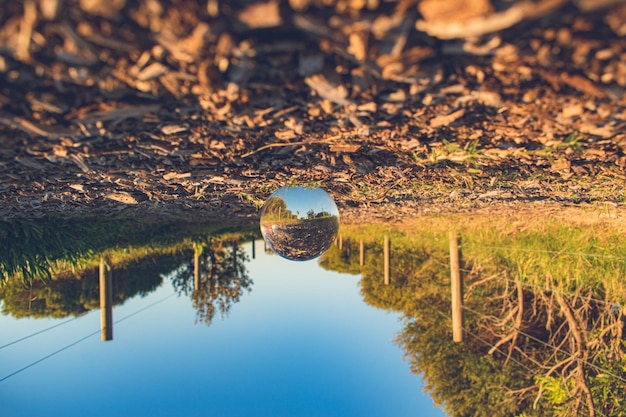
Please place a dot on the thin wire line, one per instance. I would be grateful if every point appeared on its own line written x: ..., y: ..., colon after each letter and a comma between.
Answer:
x: 144, y: 308
x: 38, y: 332
x: 469, y: 271
x: 550, y: 346
x: 498, y: 349
x: 82, y: 339
x: 558, y: 349
x: 518, y: 362
x: 558, y: 291
x: 49, y: 355
x: 485, y: 342
x: 555, y: 252
x: 597, y: 300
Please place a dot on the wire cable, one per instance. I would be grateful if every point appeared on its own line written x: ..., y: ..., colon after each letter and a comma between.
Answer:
x: 49, y: 356
x: 143, y: 309
x: 475, y: 336
x: 555, y: 252
x: 82, y: 339
x: 39, y: 332
x: 541, y: 287
x: 558, y: 349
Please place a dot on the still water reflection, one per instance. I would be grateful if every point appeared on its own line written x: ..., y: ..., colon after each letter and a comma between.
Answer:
x: 206, y: 322
x: 211, y: 325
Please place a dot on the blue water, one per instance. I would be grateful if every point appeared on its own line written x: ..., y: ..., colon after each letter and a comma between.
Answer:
x: 301, y: 343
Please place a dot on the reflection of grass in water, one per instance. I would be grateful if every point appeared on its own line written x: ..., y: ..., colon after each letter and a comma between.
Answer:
x: 48, y: 247
x: 570, y: 253
x: 29, y: 248
x: 583, y: 254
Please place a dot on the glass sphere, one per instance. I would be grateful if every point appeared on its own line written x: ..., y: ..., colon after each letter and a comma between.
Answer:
x: 299, y: 223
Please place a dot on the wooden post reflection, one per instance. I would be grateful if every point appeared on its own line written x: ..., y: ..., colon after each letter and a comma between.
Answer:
x: 106, y: 300
x: 361, y: 253
x: 196, y: 267
x: 340, y: 243
x: 456, y: 287
x: 386, y: 257
x: 253, y: 248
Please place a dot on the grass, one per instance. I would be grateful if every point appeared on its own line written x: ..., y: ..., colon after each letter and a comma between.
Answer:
x: 588, y: 252
x: 53, y: 247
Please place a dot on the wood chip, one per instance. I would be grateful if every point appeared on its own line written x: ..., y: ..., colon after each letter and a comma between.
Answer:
x: 572, y: 110
x: 488, y: 98
x: 173, y: 129
x: 583, y: 84
x: 333, y: 92
x: 285, y: 134
x: 261, y: 15
x: 446, y: 119
x: 453, y: 10
x: 482, y: 24
x: 124, y: 198
x: 176, y: 175
x: 29, y: 162
x: 152, y: 71
x: 560, y: 165
x: 120, y: 113
x: 357, y: 46
x: 368, y: 107
x: 344, y: 147
x: 104, y: 8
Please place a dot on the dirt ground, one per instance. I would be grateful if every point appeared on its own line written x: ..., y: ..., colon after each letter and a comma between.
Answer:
x: 395, y: 107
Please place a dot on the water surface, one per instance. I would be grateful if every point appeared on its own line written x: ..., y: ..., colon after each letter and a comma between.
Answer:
x: 301, y: 343
x: 203, y: 324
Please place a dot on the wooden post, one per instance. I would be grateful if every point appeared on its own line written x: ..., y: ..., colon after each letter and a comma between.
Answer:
x: 106, y: 301
x: 340, y: 243
x: 196, y: 268
x: 253, y: 249
x: 386, y: 256
x: 361, y: 253
x: 456, y: 286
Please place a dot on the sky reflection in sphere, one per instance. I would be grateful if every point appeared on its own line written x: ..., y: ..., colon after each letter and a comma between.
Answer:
x: 299, y: 223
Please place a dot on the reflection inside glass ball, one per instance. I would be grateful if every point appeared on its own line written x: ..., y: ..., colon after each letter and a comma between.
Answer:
x: 299, y: 223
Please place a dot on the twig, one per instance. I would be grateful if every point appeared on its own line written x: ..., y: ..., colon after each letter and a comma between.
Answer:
x: 31, y: 128
x: 280, y: 144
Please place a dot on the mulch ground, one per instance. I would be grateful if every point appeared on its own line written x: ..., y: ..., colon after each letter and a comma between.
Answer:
x: 206, y: 107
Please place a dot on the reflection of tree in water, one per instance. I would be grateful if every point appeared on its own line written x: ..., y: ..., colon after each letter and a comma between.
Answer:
x: 528, y: 350
x: 220, y: 278
x: 570, y: 344
x: 76, y: 295
x: 343, y: 260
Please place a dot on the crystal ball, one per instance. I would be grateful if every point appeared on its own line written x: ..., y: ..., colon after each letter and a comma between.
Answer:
x: 299, y: 223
